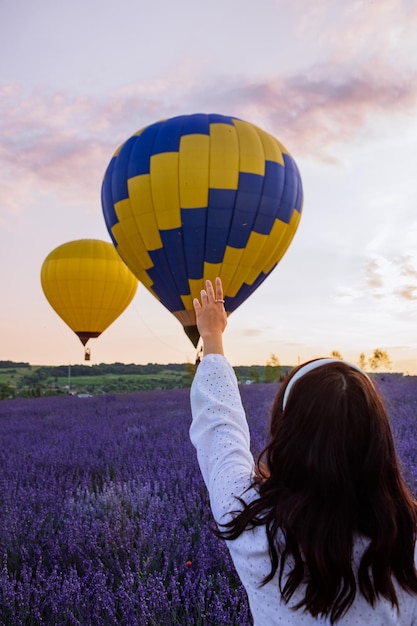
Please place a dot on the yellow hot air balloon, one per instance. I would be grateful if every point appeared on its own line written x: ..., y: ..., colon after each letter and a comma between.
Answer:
x: 88, y: 285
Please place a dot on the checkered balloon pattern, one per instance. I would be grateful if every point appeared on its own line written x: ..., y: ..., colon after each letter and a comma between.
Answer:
x: 198, y: 196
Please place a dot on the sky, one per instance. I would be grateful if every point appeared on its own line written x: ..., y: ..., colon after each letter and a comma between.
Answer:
x: 335, y: 82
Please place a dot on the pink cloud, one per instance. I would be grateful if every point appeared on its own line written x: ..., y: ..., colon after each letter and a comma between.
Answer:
x: 408, y: 267
x: 318, y: 109
x: 407, y: 292
x: 374, y: 279
x: 356, y: 31
x: 61, y: 142
x: 396, y: 277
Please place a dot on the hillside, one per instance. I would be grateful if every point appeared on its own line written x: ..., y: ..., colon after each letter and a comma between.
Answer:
x: 26, y: 380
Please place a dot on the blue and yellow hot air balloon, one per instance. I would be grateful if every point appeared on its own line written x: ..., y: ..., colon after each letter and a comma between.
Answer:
x: 198, y: 196
x: 88, y: 285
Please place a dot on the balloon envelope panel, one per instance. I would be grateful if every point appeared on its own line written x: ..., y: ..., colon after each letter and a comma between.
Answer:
x: 88, y: 285
x: 199, y: 196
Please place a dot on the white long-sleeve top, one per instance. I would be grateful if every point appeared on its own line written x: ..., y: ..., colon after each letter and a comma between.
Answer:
x: 220, y: 434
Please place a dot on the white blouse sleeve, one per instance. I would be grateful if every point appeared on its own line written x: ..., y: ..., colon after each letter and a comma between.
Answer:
x: 220, y: 434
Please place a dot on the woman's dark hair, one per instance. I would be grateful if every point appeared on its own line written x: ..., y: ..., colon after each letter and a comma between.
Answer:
x: 329, y: 475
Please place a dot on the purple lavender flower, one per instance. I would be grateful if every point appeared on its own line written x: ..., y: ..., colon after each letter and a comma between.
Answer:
x: 104, y: 516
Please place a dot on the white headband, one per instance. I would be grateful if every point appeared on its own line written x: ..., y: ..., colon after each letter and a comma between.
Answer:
x: 308, y: 367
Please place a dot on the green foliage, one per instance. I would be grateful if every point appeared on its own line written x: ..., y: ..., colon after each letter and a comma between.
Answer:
x: 35, y: 381
x: 32, y: 381
x: 8, y: 364
x: 254, y: 374
x: 272, y: 369
x: 7, y: 391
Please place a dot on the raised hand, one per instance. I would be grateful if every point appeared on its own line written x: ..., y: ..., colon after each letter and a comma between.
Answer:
x: 211, y: 317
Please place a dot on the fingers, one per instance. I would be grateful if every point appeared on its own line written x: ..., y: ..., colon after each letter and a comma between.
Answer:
x: 210, y: 294
x: 210, y: 291
x: 219, y: 289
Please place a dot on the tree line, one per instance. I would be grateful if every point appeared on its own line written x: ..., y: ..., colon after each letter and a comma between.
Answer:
x: 379, y: 359
x: 23, y: 379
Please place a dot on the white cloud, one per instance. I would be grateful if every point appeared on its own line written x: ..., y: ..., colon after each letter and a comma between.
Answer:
x: 392, y: 279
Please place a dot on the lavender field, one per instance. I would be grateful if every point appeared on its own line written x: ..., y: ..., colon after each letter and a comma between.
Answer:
x: 105, y: 518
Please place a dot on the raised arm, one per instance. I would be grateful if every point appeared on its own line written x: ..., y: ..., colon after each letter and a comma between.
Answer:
x: 219, y: 430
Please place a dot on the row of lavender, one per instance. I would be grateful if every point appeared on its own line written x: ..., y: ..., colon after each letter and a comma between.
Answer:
x: 104, y: 518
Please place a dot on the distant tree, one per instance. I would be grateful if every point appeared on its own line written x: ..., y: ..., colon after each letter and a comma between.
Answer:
x: 7, y: 364
x: 362, y: 360
x: 272, y: 369
x: 7, y: 391
x: 190, y: 370
x: 379, y: 359
x: 335, y: 354
x: 254, y: 374
x: 273, y: 360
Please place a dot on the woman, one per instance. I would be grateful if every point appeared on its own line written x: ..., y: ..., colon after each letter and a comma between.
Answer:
x: 322, y: 529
